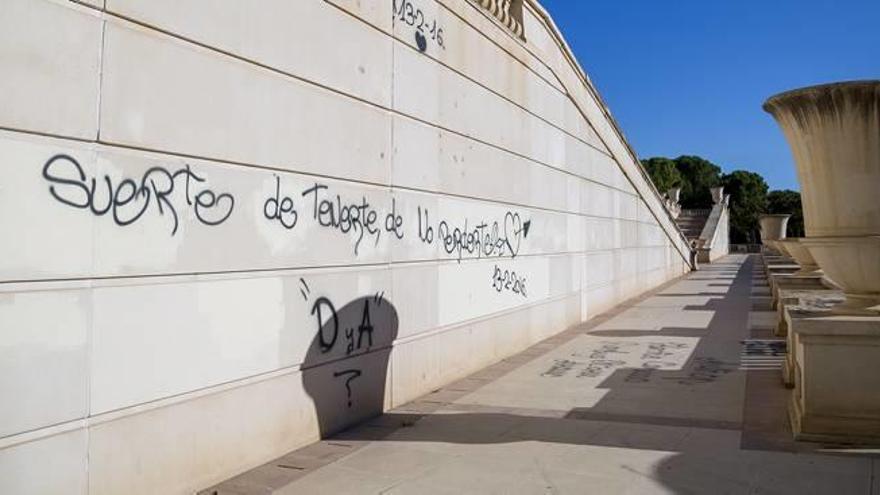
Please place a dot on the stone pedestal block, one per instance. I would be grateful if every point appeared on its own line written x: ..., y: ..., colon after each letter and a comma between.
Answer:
x: 836, y: 395
x: 810, y: 300
x: 779, y: 267
x: 792, y: 281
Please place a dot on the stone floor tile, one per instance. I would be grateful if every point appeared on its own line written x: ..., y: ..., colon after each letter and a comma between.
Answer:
x: 652, y: 397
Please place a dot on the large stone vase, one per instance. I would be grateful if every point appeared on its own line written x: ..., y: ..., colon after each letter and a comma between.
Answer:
x: 834, y: 134
x: 773, y: 230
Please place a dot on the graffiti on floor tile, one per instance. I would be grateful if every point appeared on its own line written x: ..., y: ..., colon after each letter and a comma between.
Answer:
x: 762, y: 347
x: 641, y: 375
x: 596, y: 367
x: 659, y: 350
x: 605, y: 350
x: 560, y: 367
x: 704, y: 370
x: 643, y: 357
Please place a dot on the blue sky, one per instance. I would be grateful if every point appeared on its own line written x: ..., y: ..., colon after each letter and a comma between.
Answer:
x: 690, y: 76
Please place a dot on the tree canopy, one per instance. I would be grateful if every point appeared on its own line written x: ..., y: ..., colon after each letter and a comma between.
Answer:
x: 695, y: 175
x: 749, y: 196
x: 663, y: 172
x: 699, y: 176
x: 748, y: 199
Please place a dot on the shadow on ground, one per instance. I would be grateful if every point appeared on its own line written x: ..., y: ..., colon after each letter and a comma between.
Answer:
x: 696, y: 443
x: 706, y: 455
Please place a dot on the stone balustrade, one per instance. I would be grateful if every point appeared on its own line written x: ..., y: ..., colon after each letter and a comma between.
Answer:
x: 508, y: 12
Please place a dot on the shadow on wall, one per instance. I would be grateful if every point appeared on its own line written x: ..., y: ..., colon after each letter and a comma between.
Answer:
x: 345, y: 370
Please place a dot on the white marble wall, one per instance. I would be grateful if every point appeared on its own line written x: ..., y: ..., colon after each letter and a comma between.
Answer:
x: 165, y: 246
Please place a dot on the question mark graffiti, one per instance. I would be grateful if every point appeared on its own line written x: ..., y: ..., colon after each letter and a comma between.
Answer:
x: 352, y: 375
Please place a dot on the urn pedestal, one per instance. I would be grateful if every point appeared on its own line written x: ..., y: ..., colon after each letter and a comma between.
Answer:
x: 835, y: 365
x: 834, y: 134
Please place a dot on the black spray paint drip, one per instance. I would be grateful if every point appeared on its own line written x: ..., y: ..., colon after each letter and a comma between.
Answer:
x: 421, y: 41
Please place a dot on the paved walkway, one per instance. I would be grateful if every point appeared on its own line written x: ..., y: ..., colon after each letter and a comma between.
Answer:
x: 677, y: 392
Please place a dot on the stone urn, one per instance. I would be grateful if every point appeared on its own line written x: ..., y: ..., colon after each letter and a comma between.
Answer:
x: 717, y: 194
x: 773, y: 229
x: 802, y: 256
x: 834, y: 134
x: 674, y: 194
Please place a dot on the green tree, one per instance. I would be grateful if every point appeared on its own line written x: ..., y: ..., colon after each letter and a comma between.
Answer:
x: 788, y: 201
x: 663, y: 173
x: 748, y: 199
x: 698, y: 177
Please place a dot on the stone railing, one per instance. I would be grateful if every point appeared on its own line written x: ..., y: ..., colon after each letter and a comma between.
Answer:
x: 696, y: 212
x: 715, y: 238
x: 745, y: 248
x: 508, y: 12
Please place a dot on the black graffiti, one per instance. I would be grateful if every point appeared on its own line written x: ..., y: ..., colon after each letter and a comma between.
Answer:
x: 394, y: 221
x: 348, y: 332
x: 281, y: 208
x: 659, y: 365
x: 325, y: 344
x: 365, y: 328
x: 705, y: 370
x: 351, y: 374
x: 597, y: 367
x: 659, y: 350
x: 426, y: 232
x: 593, y: 363
x: 328, y: 333
x: 483, y: 239
x: 421, y: 41
x: 359, y: 217
x: 593, y: 368
x: 642, y: 375
x: 499, y: 238
x: 404, y: 11
x: 304, y: 289
x: 755, y: 347
x: 560, y: 367
x: 509, y: 281
x: 604, y: 349
x: 129, y: 200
